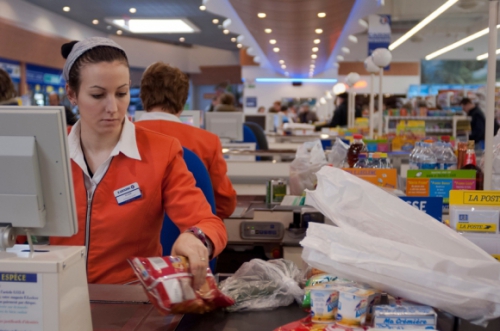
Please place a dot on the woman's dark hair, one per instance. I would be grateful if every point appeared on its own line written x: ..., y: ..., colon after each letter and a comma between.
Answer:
x: 95, y: 55
x: 227, y: 99
x: 7, y: 89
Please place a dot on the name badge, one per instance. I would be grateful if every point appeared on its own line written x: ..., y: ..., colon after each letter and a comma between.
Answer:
x: 128, y: 193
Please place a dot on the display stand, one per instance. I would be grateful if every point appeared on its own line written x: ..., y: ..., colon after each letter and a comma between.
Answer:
x: 44, y: 290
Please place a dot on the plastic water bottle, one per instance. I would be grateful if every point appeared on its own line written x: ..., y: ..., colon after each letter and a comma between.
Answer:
x: 384, y: 161
x: 437, y: 148
x: 375, y: 161
x: 369, y: 163
x: 414, y: 156
x: 448, y: 160
x: 362, y: 161
x: 427, y: 159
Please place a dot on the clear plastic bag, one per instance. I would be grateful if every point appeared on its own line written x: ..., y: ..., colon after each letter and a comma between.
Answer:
x: 263, y: 285
x: 338, y: 154
x: 309, y: 158
x: 384, y: 242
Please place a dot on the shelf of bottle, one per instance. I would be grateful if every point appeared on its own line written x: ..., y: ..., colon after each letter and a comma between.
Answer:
x: 429, y: 130
x: 421, y: 118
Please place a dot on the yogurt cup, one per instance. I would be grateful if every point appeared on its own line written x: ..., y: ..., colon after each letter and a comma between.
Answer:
x: 324, y: 302
x: 353, y: 306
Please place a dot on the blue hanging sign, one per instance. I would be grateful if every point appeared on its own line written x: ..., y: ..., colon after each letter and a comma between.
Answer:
x: 43, y: 75
x: 379, y: 32
x: 13, y: 68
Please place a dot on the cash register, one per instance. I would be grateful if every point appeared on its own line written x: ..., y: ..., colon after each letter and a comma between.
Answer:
x: 43, y: 287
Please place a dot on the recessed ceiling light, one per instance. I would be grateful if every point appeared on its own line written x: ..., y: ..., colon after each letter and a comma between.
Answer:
x: 261, y: 15
x: 276, y: 49
x: 215, y: 21
x: 132, y: 10
x: 66, y: 9
x: 233, y: 40
x: 203, y: 8
x: 321, y: 15
x: 268, y: 30
x: 317, y: 41
x: 95, y: 22
x: 283, y: 66
x: 225, y: 31
x: 272, y: 41
x: 281, y: 61
x: 346, y: 50
x: 239, y: 45
x: 314, y: 56
x: 312, y: 66
x: 172, y: 25
x: 315, y: 49
x: 335, y: 65
x: 119, y: 32
x: 182, y: 39
x: 363, y: 23
x: 353, y: 38
x: 318, y: 31
x: 340, y: 58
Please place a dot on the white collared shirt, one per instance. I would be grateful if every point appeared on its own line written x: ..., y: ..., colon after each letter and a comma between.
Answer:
x: 159, y: 115
x: 127, y: 145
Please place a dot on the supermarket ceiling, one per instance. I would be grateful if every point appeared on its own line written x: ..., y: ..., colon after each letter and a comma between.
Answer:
x: 210, y: 34
x: 284, y: 39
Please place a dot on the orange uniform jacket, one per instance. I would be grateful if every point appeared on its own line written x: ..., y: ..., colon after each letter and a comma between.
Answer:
x: 208, y: 148
x: 118, y: 232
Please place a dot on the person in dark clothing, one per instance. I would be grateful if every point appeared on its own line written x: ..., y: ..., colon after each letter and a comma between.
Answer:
x: 8, y: 92
x: 340, y: 113
x: 54, y: 100
x: 478, y: 121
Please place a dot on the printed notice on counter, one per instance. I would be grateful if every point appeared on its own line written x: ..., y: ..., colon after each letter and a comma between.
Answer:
x: 21, y: 302
x: 439, y: 183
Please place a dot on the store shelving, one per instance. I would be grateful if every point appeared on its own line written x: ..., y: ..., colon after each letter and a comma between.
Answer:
x: 450, y: 123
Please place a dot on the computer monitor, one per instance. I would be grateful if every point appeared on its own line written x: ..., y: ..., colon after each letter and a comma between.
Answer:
x: 191, y: 117
x: 227, y: 125
x: 36, y: 186
x: 259, y: 119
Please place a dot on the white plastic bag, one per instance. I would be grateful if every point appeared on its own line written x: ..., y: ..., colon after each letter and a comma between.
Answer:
x: 383, y: 241
x: 309, y: 158
x: 338, y: 153
x: 261, y: 285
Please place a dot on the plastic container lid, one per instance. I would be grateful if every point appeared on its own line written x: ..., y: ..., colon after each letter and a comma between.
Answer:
x: 357, y: 136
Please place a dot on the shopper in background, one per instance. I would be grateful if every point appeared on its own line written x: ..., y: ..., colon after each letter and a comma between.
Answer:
x: 478, y: 121
x: 292, y: 113
x: 54, y: 100
x: 340, y: 114
x: 306, y: 115
x: 108, y: 153
x: 261, y: 110
x: 226, y: 103
x: 215, y: 102
x: 275, y: 108
x: 164, y: 91
x: 8, y: 92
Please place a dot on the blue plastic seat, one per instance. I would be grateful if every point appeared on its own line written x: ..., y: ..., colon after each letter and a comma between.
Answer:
x: 170, y: 231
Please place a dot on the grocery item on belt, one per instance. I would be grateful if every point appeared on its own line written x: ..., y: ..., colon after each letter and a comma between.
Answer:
x: 306, y: 324
x: 373, y: 300
x: 314, y: 280
x: 167, y: 282
x: 407, y: 317
x: 324, y: 301
x: 353, y: 305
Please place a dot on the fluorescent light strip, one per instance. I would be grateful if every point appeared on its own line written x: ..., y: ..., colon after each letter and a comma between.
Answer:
x: 459, y: 43
x: 290, y: 80
x: 485, y: 55
x: 422, y: 24
x: 181, y: 25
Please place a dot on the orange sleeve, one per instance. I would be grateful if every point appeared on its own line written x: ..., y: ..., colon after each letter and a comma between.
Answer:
x: 186, y: 204
x: 225, y: 195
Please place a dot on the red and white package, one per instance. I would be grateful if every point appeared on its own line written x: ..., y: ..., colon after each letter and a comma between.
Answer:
x: 167, y: 282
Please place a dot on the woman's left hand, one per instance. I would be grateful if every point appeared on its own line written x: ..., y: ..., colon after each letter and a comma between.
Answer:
x: 188, y: 245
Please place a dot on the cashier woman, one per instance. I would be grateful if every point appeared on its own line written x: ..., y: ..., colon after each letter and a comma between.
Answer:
x: 126, y: 177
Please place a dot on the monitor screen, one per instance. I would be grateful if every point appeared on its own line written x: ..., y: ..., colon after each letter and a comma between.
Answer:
x: 259, y: 119
x: 187, y: 119
x: 191, y: 117
x: 228, y: 126
x: 36, y: 186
